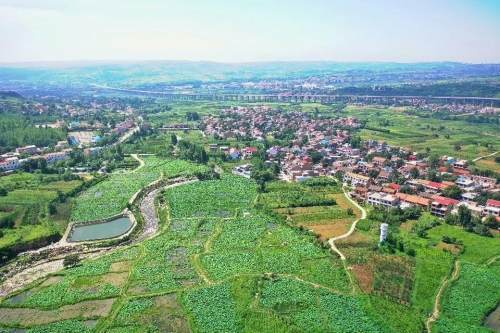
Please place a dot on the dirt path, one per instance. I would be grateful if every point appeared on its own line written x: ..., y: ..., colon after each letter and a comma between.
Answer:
x: 127, y: 135
x: 138, y: 159
x: 485, y: 156
x: 332, y: 240
x: 437, y: 303
x: 492, y: 260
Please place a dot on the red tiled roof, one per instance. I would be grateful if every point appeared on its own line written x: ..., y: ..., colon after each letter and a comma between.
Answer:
x: 250, y: 149
x: 436, y: 185
x: 395, y: 186
x: 493, y: 203
x: 444, y: 200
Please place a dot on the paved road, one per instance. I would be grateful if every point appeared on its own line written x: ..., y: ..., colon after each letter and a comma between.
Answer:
x: 332, y: 240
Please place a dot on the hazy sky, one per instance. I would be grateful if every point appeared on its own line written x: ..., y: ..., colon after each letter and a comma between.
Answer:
x: 250, y: 30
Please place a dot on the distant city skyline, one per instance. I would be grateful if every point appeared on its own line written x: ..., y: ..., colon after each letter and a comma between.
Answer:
x: 250, y: 30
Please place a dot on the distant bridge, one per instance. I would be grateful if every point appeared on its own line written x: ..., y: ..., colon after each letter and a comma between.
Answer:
x: 308, y: 98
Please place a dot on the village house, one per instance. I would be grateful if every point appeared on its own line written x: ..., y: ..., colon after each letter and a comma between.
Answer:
x: 379, y: 161
x: 30, y: 150
x: 414, y: 200
x: 356, y: 179
x: 244, y: 170
x: 55, y: 157
x: 441, y: 206
x: 248, y: 152
x: 382, y: 199
x: 492, y: 208
x: 61, y: 145
x: 9, y: 164
x: 460, y: 164
x: 465, y: 183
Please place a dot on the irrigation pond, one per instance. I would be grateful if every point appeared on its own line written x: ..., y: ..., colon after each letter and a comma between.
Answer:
x: 98, y: 231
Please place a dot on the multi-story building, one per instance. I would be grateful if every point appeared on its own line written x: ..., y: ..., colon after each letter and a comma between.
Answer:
x: 492, y: 208
x: 32, y: 149
x: 10, y: 163
x: 441, y: 206
x: 54, y: 157
x: 382, y: 199
x: 356, y: 179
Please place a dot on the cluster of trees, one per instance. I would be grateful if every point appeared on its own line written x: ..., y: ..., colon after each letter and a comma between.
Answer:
x: 192, y: 152
x: 192, y: 116
x: 263, y: 173
x: 453, y: 192
x: 395, y: 216
x: 471, y: 223
x: 17, y: 130
x: 393, y: 244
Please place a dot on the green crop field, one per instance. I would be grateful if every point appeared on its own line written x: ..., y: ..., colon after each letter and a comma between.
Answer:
x: 317, y: 204
x: 465, y: 303
x: 110, y: 196
x: 221, y: 263
x: 25, y: 207
x: 441, y: 136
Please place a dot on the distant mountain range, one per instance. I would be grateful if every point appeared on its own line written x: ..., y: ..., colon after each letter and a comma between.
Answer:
x: 148, y: 73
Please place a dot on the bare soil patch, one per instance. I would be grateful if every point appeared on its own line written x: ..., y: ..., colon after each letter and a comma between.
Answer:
x: 327, y: 231
x: 364, y: 276
x: 29, y: 317
x: 452, y: 248
x: 120, y: 266
x: 170, y: 316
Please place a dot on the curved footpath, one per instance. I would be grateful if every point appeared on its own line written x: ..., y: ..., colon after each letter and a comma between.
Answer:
x: 332, y: 240
x: 138, y: 159
x: 22, y: 276
x: 437, y: 302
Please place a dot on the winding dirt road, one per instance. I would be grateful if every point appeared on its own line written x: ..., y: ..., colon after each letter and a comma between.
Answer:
x: 332, y: 240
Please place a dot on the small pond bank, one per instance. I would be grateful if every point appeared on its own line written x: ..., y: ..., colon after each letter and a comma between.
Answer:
x: 98, y: 231
x: 493, y: 320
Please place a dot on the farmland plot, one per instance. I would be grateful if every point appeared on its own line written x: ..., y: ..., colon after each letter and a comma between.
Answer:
x: 110, y: 196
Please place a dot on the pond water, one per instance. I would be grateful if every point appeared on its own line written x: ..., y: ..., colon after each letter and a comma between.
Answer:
x: 110, y: 229
x: 493, y: 320
x: 19, y: 298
